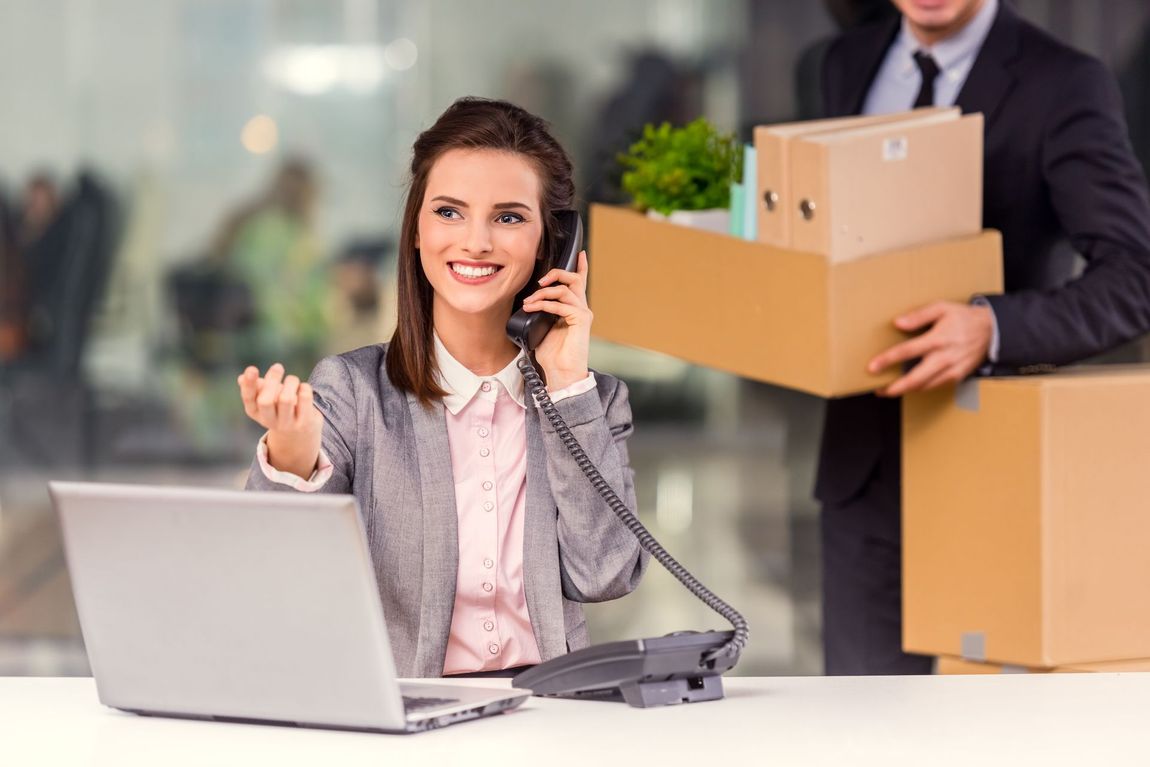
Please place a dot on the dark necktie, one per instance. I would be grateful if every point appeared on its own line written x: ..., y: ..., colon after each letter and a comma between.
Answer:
x: 929, y: 69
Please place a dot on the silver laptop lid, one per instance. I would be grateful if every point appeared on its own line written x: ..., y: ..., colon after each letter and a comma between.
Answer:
x: 228, y: 603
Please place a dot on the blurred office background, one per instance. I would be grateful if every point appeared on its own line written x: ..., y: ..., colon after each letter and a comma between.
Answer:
x: 189, y: 186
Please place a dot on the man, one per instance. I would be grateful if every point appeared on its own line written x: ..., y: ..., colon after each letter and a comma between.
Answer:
x: 1058, y: 165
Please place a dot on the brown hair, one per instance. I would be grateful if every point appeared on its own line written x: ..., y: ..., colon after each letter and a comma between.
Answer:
x: 469, y: 123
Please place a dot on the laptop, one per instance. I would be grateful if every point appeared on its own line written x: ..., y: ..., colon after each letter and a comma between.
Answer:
x: 242, y: 606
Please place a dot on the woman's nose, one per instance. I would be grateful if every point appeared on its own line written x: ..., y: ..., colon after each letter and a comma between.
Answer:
x: 478, y: 238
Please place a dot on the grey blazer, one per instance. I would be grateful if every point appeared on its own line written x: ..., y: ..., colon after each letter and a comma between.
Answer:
x: 392, y: 454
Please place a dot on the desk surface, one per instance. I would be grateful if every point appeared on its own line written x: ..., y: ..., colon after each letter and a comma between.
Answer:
x: 1073, y: 719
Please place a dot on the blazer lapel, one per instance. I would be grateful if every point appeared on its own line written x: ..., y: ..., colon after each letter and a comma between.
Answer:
x: 440, y: 535
x: 990, y: 78
x: 541, y: 585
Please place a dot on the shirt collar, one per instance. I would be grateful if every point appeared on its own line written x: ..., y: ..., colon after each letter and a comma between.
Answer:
x: 952, y: 52
x: 462, y: 385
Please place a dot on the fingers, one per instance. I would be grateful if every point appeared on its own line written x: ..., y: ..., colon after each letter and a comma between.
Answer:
x: 576, y: 280
x: 286, y: 406
x: 249, y: 382
x: 555, y: 293
x: 916, y: 347
x: 920, y: 374
x: 923, y: 316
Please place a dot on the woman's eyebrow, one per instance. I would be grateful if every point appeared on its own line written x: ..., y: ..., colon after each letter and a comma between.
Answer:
x: 497, y: 206
x: 511, y: 205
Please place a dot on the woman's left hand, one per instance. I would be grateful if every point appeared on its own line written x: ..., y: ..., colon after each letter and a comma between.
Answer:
x: 563, y: 352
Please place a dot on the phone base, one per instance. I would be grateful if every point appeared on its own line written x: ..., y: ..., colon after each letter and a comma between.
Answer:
x: 673, y: 691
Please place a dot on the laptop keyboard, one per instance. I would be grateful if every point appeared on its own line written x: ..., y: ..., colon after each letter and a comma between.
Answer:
x: 417, y: 703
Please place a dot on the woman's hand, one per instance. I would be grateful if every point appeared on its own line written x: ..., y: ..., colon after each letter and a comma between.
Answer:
x: 563, y: 352
x: 284, y: 406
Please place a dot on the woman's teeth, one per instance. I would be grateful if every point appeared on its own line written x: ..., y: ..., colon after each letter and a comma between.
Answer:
x: 474, y: 271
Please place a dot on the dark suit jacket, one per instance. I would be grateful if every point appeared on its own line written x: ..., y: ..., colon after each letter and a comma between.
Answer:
x: 1058, y: 164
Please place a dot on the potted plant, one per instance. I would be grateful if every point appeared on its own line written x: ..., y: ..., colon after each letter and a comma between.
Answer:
x: 684, y: 174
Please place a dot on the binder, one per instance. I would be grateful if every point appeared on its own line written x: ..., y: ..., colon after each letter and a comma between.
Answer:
x: 772, y: 192
x: 889, y: 186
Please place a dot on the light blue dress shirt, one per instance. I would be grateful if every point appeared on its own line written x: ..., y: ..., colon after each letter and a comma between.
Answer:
x: 898, y: 81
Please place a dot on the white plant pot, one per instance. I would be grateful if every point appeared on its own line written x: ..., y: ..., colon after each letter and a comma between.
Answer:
x: 712, y: 219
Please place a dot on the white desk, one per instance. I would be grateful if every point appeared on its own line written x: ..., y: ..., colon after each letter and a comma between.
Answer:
x: 1014, y: 719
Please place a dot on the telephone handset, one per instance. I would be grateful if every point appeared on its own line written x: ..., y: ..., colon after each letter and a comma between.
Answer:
x: 682, y: 667
x: 527, y: 329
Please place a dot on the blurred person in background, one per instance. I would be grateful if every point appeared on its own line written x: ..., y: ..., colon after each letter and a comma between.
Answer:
x: 12, y: 287
x: 270, y: 245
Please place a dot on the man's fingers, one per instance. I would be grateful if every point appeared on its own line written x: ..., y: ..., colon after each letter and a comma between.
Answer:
x: 916, y: 347
x: 916, y: 377
x: 922, y: 316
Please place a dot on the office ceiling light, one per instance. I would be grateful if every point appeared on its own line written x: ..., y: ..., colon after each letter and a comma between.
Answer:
x: 260, y: 134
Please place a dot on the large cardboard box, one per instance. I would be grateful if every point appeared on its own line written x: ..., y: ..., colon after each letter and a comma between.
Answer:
x: 775, y: 204
x: 883, y: 187
x: 788, y: 318
x: 1026, y: 518
x: 949, y: 666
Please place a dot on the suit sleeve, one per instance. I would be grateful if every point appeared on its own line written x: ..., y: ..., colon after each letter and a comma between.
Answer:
x: 599, y: 557
x: 335, y: 397
x: 1098, y: 192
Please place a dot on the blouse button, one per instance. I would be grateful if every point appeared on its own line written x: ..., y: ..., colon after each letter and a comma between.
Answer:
x: 487, y: 587
x: 493, y: 648
x: 488, y: 626
x: 488, y: 564
x: 486, y: 386
x: 487, y: 485
x: 485, y: 452
x: 483, y: 431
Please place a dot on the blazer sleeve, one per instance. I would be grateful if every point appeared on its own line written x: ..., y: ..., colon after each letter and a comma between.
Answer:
x: 600, y: 559
x: 331, y: 380
x: 1098, y: 193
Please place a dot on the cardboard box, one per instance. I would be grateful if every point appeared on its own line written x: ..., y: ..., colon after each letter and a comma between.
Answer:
x: 774, y: 204
x: 880, y: 188
x: 788, y: 318
x: 1026, y: 518
x: 948, y: 666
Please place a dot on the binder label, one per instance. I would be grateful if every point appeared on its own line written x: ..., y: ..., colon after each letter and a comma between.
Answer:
x: 895, y: 148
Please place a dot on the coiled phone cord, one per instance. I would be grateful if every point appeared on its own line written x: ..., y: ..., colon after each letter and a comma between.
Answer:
x: 738, y: 641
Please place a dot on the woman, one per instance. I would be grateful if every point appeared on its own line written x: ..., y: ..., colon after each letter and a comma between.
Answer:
x: 485, y: 535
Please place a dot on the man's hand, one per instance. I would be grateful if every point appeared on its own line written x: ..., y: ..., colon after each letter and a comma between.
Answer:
x: 953, y: 348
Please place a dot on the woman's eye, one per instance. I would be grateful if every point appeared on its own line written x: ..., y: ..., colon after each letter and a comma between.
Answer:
x: 449, y: 213
x: 509, y: 218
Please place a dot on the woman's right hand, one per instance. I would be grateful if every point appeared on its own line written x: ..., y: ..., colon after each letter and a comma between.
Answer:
x: 285, y: 407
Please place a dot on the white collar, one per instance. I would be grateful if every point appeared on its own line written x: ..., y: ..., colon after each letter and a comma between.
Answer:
x: 956, y: 51
x: 462, y: 385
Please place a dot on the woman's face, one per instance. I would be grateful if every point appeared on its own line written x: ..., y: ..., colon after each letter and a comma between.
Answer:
x: 479, y: 229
